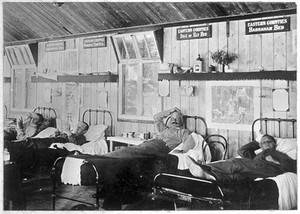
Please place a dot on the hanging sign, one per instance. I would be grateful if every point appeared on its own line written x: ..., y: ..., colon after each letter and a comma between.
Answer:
x: 268, y: 25
x: 98, y: 42
x: 56, y: 46
x: 199, y: 32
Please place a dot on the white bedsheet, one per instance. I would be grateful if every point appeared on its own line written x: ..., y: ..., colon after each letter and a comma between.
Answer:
x: 196, y: 153
x: 287, y: 189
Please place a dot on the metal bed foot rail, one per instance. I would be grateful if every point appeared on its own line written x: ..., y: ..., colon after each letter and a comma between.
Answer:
x: 55, y: 175
x: 212, y: 194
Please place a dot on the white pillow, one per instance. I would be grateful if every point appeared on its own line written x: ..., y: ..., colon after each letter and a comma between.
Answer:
x: 47, y: 132
x: 95, y: 132
x: 287, y: 146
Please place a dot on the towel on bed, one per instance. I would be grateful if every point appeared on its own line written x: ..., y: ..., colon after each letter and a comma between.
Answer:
x: 196, y: 153
x: 287, y: 189
x: 71, y: 171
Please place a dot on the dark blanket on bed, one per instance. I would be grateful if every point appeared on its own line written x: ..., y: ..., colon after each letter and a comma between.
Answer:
x: 133, y: 166
x: 33, y: 153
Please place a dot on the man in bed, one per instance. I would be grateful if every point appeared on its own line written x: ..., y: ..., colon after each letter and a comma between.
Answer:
x: 77, y: 136
x: 118, y: 166
x: 268, y: 163
x: 30, y: 159
x: 25, y: 128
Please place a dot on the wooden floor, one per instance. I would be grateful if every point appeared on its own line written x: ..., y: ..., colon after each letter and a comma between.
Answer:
x: 37, y: 195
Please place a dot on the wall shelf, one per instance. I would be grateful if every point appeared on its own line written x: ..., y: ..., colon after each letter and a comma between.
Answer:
x: 78, y: 78
x: 263, y: 75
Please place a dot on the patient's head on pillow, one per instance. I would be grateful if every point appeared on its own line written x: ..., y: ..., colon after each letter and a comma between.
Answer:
x: 81, y: 128
x: 267, y: 142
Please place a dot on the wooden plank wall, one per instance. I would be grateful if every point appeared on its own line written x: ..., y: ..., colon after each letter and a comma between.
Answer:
x: 89, y: 61
x: 272, y: 51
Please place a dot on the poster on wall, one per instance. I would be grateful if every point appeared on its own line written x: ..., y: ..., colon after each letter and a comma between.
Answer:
x: 232, y: 104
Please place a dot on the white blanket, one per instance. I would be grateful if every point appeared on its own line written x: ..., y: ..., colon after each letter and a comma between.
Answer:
x: 196, y: 153
x: 71, y: 171
x: 287, y: 189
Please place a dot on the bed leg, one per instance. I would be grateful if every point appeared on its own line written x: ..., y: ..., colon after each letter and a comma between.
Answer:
x: 53, y: 201
x: 53, y: 195
x: 97, y: 195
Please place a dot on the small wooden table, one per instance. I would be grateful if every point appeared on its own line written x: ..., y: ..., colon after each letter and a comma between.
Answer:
x: 129, y: 141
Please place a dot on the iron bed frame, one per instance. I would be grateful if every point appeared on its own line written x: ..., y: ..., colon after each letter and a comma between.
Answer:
x: 194, y: 123
x: 219, y: 200
x: 91, y: 116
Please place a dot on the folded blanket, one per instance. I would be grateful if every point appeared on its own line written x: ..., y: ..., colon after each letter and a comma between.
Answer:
x: 71, y: 171
x: 196, y: 153
x: 287, y: 189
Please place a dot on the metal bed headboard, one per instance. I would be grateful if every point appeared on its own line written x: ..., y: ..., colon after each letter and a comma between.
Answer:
x: 46, y: 112
x: 265, y: 124
x: 195, y: 123
x: 97, y: 116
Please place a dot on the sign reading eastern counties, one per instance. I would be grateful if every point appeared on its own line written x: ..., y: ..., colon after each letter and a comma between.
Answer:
x: 199, y: 32
x: 268, y: 26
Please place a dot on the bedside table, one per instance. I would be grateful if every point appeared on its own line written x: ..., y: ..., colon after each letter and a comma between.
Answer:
x: 126, y: 140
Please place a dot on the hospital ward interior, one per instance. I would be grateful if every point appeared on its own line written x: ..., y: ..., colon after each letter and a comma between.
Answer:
x: 149, y: 106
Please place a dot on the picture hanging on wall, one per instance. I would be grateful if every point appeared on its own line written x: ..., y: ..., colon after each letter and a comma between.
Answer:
x: 232, y: 104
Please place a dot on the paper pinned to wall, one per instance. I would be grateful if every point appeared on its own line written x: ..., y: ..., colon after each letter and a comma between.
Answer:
x: 280, y: 100
x: 48, y: 95
x: 164, y: 88
x: 187, y: 91
x: 102, y: 99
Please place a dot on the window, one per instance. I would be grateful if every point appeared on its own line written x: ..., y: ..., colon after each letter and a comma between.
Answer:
x: 139, y: 58
x: 23, y: 91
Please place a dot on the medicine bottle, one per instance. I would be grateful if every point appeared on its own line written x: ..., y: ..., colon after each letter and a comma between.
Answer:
x: 198, y: 65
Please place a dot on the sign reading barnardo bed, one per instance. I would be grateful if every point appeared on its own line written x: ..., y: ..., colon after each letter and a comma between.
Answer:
x: 268, y: 25
x: 199, y: 32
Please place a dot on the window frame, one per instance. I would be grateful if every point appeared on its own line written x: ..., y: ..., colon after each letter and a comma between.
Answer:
x: 121, y: 115
x: 139, y: 61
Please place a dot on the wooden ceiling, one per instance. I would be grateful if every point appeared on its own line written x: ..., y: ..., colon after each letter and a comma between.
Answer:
x: 26, y: 21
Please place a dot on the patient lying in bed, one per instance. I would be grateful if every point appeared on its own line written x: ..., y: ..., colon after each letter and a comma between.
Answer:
x: 119, y: 167
x: 268, y: 163
x: 28, y: 127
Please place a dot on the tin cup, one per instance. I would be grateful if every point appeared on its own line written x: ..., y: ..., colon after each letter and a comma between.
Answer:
x: 130, y: 134
x: 147, y: 135
x: 125, y: 135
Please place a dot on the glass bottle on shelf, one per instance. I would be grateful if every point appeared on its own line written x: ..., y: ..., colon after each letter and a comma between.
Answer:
x: 198, y: 65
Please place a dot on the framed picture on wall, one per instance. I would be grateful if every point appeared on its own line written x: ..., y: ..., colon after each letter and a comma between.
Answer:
x: 232, y: 104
